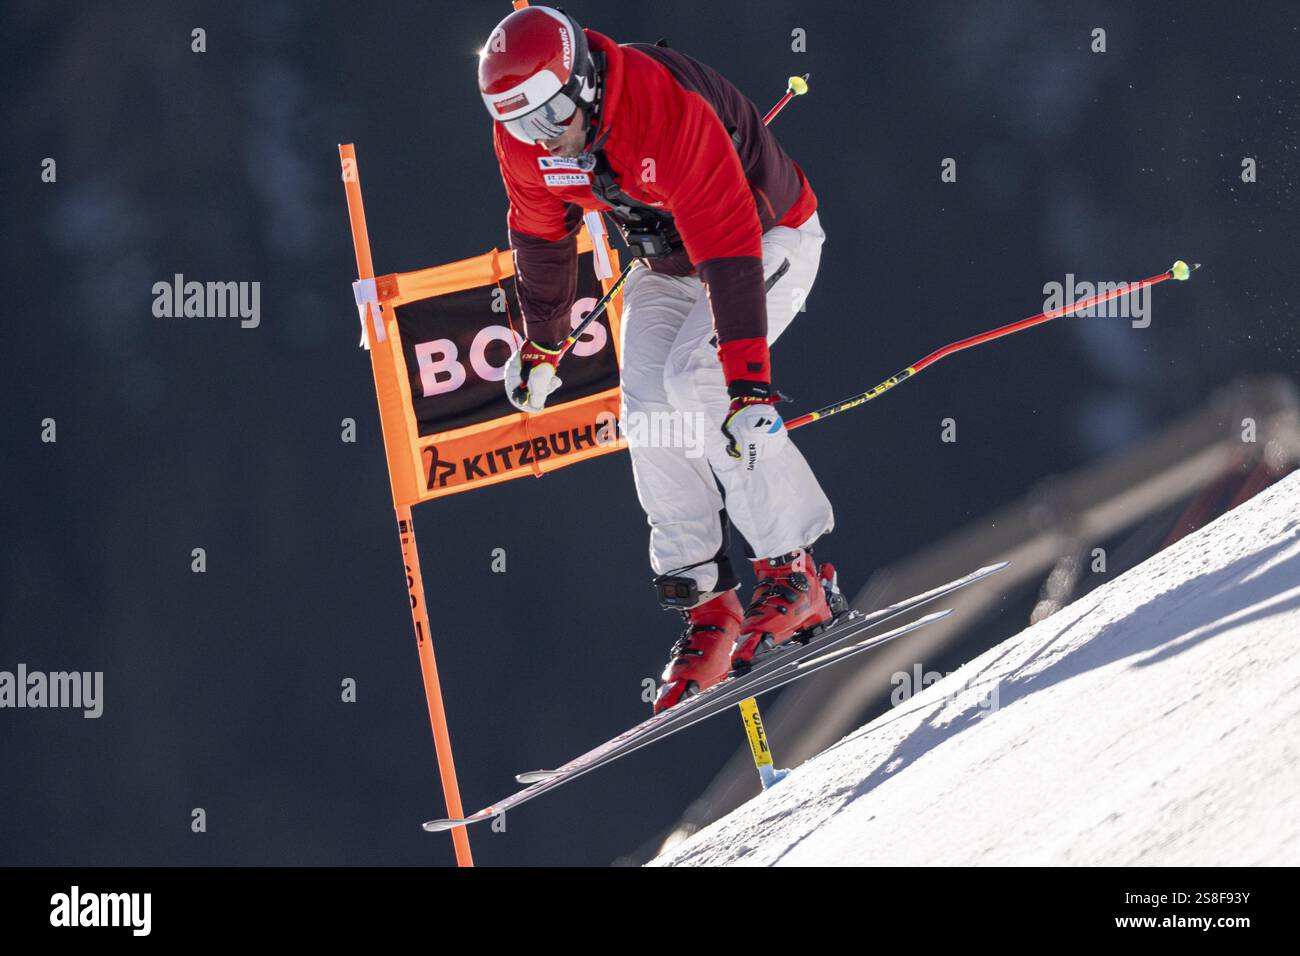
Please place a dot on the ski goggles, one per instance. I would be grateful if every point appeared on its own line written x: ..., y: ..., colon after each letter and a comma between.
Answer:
x: 548, y: 121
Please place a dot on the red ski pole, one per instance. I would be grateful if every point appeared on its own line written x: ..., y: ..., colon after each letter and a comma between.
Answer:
x: 798, y: 86
x: 1179, y: 270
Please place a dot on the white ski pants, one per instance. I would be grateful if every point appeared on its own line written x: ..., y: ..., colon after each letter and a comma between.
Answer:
x: 674, y: 403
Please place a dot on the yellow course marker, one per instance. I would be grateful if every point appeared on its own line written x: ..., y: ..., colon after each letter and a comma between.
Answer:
x: 753, y: 722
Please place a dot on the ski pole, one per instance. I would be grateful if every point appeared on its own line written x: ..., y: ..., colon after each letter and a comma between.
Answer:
x: 1179, y: 270
x: 796, y: 86
x: 597, y: 310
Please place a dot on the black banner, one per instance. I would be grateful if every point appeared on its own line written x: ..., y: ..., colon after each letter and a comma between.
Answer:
x: 975, y: 909
x: 456, y: 347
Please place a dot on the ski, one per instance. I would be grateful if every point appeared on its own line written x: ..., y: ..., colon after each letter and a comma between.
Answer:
x: 773, y: 680
x: 734, y: 689
x: 774, y: 670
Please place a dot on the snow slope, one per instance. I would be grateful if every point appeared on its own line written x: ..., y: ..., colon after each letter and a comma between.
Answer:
x: 1155, y: 721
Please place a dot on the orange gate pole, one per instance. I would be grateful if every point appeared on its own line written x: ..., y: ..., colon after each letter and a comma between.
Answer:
x: 410, y: 553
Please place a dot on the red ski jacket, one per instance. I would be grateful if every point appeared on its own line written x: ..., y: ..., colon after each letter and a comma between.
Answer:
x: 680, y: 137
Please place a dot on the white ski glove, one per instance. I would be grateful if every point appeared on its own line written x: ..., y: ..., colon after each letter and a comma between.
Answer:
x: 753, y: 426
x: 530, y: 375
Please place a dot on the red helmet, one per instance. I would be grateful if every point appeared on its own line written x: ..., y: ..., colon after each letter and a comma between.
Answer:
x: 535, y: 73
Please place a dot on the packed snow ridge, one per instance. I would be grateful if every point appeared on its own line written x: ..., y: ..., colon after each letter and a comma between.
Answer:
x: 1155, y: 721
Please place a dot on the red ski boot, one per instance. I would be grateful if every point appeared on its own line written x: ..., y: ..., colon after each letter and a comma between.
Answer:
x: 702, y: 655
x: 793, y: 601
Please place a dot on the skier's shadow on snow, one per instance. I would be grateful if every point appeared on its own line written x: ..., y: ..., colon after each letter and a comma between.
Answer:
x: 1157, y: 630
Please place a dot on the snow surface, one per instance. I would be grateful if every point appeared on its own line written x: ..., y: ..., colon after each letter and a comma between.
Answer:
x: 1155, y: 721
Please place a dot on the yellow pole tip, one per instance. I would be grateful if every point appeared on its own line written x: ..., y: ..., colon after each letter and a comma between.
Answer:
x: 1180, y: 270
x: 798, y: 85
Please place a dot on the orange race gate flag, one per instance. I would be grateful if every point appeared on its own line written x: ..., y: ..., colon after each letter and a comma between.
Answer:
x: 439, y: 352
x: 439, y: 339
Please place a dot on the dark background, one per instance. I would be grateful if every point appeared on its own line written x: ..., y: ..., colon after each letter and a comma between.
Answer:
x: 222, y: 690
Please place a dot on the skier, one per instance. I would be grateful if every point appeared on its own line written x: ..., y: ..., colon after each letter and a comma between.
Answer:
x: 725, y: 227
